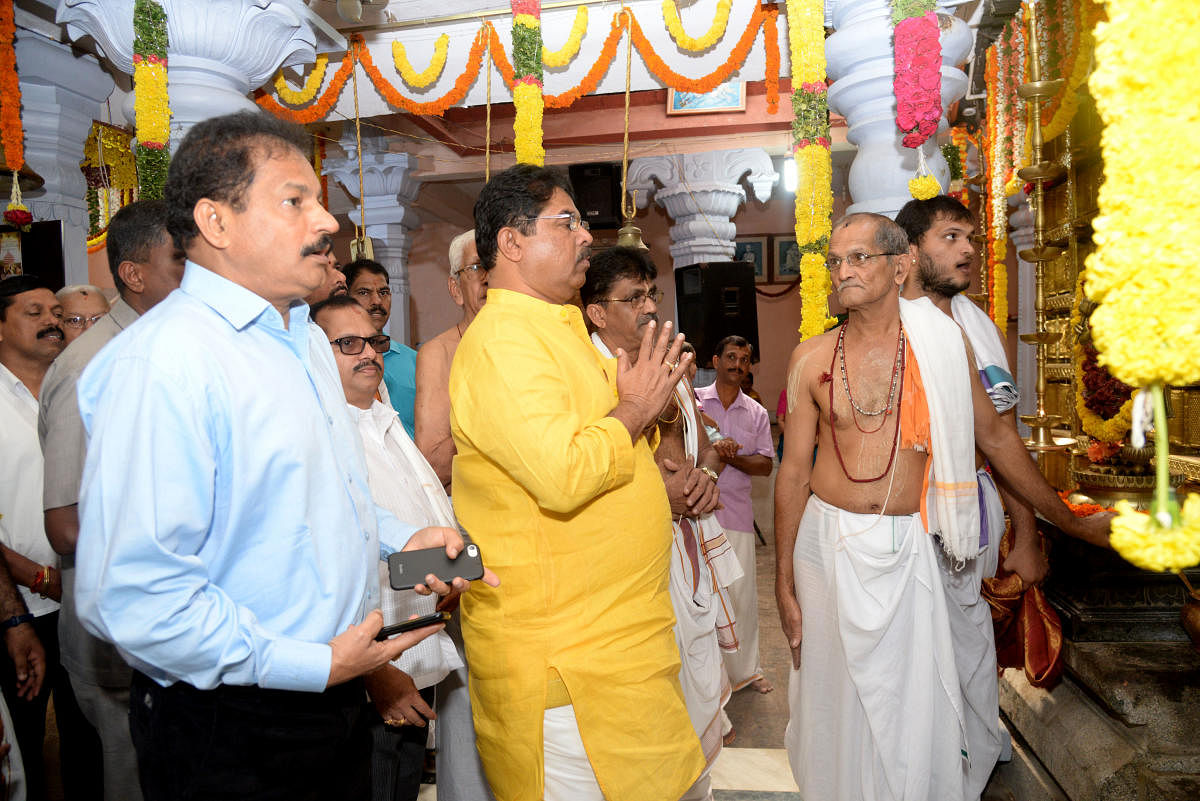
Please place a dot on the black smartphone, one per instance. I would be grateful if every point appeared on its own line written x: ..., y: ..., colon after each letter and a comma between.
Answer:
x: 409, y: 625
x: 407, y: 569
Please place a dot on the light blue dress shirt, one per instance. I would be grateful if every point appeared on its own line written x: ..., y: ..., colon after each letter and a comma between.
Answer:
x: 227, y: 533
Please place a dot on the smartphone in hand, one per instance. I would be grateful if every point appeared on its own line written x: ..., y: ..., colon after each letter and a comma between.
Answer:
x: 410, y: 625
x: 407, y: 569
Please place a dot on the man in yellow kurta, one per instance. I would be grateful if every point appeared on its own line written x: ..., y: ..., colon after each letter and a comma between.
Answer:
x: 574, y: 669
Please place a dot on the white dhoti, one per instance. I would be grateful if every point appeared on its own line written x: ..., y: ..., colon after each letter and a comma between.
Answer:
x: 876, y: 710
x: 743, y: 664
x: 974, y: 641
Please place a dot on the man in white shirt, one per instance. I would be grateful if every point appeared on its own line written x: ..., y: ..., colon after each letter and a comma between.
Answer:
x: 31, y: 335
x: 401, y: 481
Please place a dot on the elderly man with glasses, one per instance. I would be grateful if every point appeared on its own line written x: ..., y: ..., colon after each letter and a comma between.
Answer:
x: 468, y: 287
x: 82, y: 305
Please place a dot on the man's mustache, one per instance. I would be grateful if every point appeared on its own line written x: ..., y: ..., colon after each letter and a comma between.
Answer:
x: 584, y: 254
x: 365, y: 363
x: 50, y: 330
x: 375, y: 308
x: 320, y: 246
x: 646, y: 318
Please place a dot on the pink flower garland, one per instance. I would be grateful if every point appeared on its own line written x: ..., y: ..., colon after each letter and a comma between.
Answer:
x: 918, y: 81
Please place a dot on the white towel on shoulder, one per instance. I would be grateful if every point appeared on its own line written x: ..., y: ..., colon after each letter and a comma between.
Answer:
x: 953, y: 502
x: 991, y: 359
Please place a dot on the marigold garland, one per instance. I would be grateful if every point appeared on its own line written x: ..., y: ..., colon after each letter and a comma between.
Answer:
x: 527, y: 71
x: 312, y: 84
x: 320, y: 109
x: 592, y: 79
x: 710, y: 38
x: 420, y: 80
x: 707, y: 83
x: 1141, y: 272
x: 998, y: 150
x: 438, y: 106
x: 12, y: 135
x: 771, y: 48
x: 814, y: 165
x: 151, y: 101
x: 563, y: 56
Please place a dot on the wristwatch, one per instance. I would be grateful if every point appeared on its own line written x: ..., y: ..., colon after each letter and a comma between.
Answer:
x: 708, y: 471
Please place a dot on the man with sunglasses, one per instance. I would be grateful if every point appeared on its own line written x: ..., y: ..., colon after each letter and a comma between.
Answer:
x: 468, y: 286
x: 574, y: 669
x: 402, y: 482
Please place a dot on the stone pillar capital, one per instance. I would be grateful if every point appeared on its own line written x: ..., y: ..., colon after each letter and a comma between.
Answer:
x: 702, y: 192
x: 219, y: 50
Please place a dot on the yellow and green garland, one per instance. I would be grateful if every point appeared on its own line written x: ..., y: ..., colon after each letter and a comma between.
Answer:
x: 152, y: 111
x: 814, y: 164
x: 527, y: 80
x: 1142, y: 272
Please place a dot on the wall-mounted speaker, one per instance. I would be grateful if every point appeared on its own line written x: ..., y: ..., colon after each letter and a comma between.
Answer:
x: 716, y: 300
x: 598, y: 193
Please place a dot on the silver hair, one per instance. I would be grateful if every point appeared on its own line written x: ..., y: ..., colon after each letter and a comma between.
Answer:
x: 889, y: 237
x: 82, y: 289
x: 458, y: 247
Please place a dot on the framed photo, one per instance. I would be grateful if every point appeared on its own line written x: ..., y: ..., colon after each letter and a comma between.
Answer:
x: 757, y: 251
x: 787, y: 258
x: 729, y: 96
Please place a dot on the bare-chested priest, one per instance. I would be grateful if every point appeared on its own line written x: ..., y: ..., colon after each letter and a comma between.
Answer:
x: 468, y: 286
x: 620, y: 299
x: 895, y: 410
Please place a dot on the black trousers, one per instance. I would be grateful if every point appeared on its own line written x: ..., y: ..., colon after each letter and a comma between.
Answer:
x: 248, y: 743
x: 398, y: 756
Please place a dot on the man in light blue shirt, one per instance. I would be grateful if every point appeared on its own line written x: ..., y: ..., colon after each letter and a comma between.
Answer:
x: 229, y: 544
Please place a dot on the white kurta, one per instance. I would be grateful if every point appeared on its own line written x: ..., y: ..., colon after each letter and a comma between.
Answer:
x: 877, y: 712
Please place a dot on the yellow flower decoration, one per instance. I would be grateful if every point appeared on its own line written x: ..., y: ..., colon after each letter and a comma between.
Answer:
x: 150, y: 102
x: 419, y: 80
x: 527, y: 98
x: 685, y: 42
x: 311, y: 84
x: 1139, y: 539
x: 564, y: 55
x: 1143, y: 271
x: 924, y: 187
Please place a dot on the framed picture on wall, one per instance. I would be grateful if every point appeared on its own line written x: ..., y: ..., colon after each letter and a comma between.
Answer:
x: 729, y: 96
x: 787, y: 258
x: 757, y: 251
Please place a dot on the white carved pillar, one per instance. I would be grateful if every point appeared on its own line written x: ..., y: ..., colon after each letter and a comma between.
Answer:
x: 1021, y: 218
x: 388, y: 191
x: 859, y: 60
x: 701, y: 192
x: 61, y: 93
x: 218, y: 51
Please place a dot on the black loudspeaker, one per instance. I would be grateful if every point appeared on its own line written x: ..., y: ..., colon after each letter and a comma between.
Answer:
x: 598, y: 193
x: 716, y: 300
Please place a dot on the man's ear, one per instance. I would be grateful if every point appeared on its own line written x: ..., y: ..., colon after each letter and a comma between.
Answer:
x: 509, y: 243
x: 455, y: 290
x: 130, y: 273
x: 211, y: 218
x: 715, y: 360
x: 595, y: 312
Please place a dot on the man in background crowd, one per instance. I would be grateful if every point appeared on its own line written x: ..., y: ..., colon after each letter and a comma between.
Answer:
x: 82, y: 305
x: 367, y: 282
x: 746, y: 450
x: 468, y: 286
x: 146, y: 267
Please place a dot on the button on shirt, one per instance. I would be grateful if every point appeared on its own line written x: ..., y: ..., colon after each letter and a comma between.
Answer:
x: 22, y: 526
x: 226, y: 529
x: 746, y: 423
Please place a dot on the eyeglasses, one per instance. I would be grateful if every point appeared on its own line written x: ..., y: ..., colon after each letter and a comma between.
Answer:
x: 638, y: 299
x: 79, y: 321
x: 352, y: 346
x: 574, y: 221
x: 473, y: 269
x: 853, y: 259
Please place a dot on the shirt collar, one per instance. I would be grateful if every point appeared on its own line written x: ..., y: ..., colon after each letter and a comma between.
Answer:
x: 12, y: 384
x: 238, y: 305
x: 122, y: 314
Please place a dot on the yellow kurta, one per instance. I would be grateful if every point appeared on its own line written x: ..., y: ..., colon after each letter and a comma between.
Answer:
x: 575, y: 521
